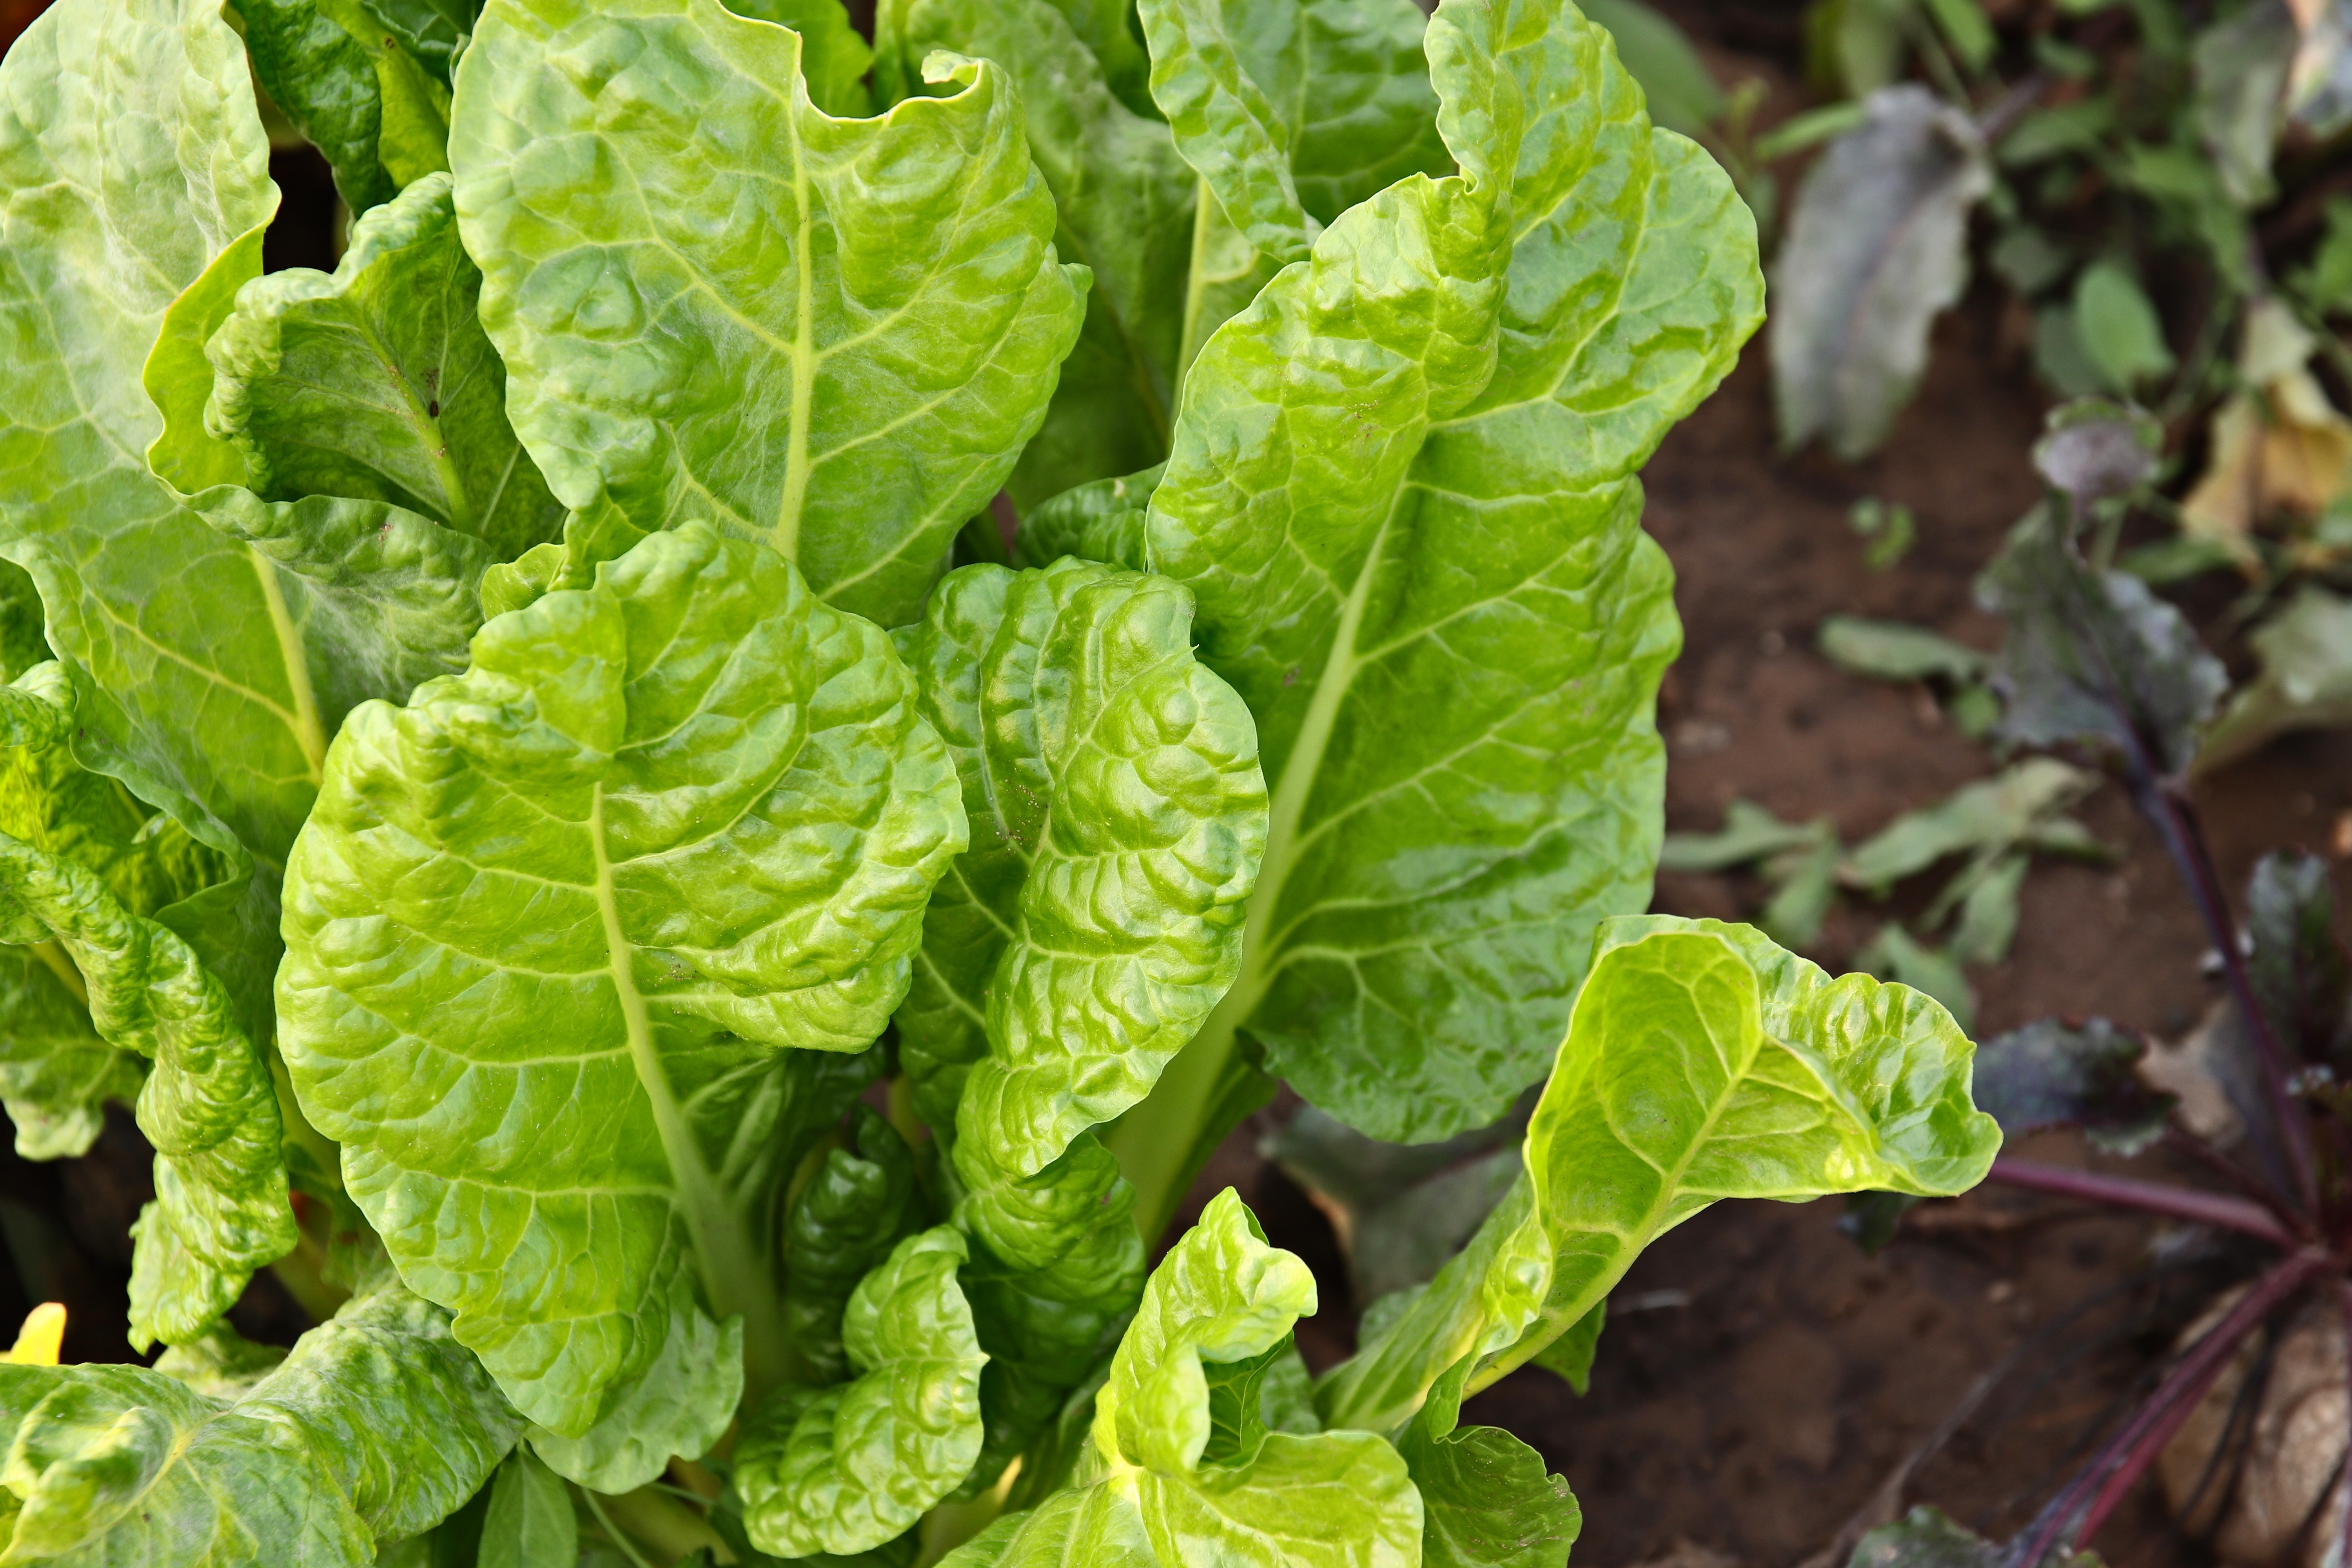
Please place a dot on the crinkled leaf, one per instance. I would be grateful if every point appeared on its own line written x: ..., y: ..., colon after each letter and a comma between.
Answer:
x: 1893, y: 650
x: 323, y: 77
x: 1056, y: 1268
x: 708, y: 797
x: 2092, y: 658
x: 375, y: 1428
x: 1143, y: 1494
x: 192, y: 656
x: 2301, y: 974
x: 1118, y: 819
x: 378, y: 383
x: 2053, y: 1073
x: 851, y: 1211
x: 429, y: 30
x: 845, y: 1469
x: 1126, y: 201
x: 56, y: 1074
x: 1488, y: 1498
x: 1701, y: 1063
x: 1465, y: 765
x: 220, y: 1209
x: 1207, y: 58
x: 1893, y: 953
x: 681, y: 1404
x: 830, y: 335
x: 2305, y: 681
x: 530, y: 1522
x: 1401, y: 1210
x: 1877, y: 246
x: 2021, y: 806
x: 1101, y: 521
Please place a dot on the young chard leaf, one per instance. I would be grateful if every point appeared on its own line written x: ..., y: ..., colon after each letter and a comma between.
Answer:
x: 710, y: 799
x: 378, y: 382
x: 852, y: 1212
x: 1412, y: 393
x: 845, y: 1469
x: 838, y: 354
x: 1701, y: 1063
x: 530, y: 1522
x: 1118, y: 817
x: 1876, y: 248
x: 1145, y: 1497
x: 378, y: 1425
x: 1486, y: 1500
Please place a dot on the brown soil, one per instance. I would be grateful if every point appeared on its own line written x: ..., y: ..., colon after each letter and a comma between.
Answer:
x: 1762, y: 1379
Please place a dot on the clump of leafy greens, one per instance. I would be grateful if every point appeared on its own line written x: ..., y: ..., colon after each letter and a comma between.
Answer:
x: 705, y: 972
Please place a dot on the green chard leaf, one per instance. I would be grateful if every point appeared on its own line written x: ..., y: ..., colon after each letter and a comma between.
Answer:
x: 377, y: 1426
x: 350, y: 84
x: 708, y: 799
x: 1701, y: 1063
x: 852, y: 1212
x: 844, y: 362
x: 431, y: 31
x: 530, y: 1522
x: 85, y: 873
x: 1149, y: 1492
x: 1126, y: 202
x: 845, y: 1469
x: 378, y: 382
x: 833, y: 58
x: 1118, y: 816
x: 1486, y: 1499
x: 1470, y: 370
x: 193, y: 654
x: 1205, y: 78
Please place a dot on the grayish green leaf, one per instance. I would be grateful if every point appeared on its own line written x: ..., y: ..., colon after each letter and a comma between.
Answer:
x: 1894, y: 650
x: 2018, y: 807
x: 2053, y: 1073
x: 2305, y: 681
x: 378, y: 382
x: 1876, y: 248
x: 2241, y: 65
x: 2093, y: 450
x: 2301, y: 974
x: 711, y: 798
x: 843, y: 363
x: 845, y: 1469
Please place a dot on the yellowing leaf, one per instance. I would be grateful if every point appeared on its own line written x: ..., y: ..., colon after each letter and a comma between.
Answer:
x: 42, y: 1335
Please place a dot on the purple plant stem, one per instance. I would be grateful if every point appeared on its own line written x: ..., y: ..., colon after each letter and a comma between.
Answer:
x: 2344, y: 1475
x: 2154, y: 1198
x: 2145, y: 1436
x: 2245, y: 1181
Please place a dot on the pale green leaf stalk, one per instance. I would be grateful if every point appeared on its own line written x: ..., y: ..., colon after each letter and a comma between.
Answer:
x: 1118, y: 815
x: 1143, y: 1494
x: 1465, y: 768
x: 375, y: 1427
x: 560, y: 931
x: 1702, y: 1063
x: 378, y: 383
x: 845, y: 1469
x: 830, y: 335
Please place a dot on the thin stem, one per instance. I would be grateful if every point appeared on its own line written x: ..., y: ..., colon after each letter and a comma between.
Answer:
x: 2245, y: 1181
x: 613, y: 1533
x: 2145, y: 1436
x: 2153, y: 1197
x: 2344, y: 1473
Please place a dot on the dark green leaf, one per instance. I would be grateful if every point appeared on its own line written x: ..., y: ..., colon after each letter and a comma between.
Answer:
x: 1486, y: 1501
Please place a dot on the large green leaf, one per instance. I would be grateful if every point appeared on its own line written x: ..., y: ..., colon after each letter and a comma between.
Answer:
x: 375, y: 1428
x: 221, y: 1207
x: 378, y: 382
x: 1702, y: 1063
x: 1118, y: 815
x: 1145, y: 1493
x: 715, y: 301
x: 707, y: 802
x: 845, y: 1469
x: 1223, y: 112
x: 1402, y: 492
x: 188, y: 648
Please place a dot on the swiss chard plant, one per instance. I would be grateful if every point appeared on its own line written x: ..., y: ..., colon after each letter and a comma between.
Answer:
x: 705, y: 972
